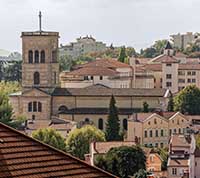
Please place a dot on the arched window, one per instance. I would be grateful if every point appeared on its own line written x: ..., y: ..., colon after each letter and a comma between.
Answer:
x: 30, y: 107
x: 42, y: 57
x: 36, y: 78
x: 125, y: 125
x: 30, y: 56
x: 33, y: 117
x: 54, y: 56
x: 62, y: 108
x: 36, y: 56
x: 34, y: 106
x: 100, y: 124
x: 39, y: 107
x: 87, y: 120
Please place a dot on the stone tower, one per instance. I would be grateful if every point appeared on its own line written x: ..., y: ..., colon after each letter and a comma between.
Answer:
x: 40, y: 66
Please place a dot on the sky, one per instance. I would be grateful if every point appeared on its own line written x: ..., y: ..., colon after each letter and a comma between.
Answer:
x: 136, y: 23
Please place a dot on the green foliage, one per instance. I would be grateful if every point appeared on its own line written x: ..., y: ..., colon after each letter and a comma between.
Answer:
x: 188, y: 100
x: 142, y: 173
x: 155, y: 50
x: 145, y: 107
x: 170, y: 106
x: 192, y: 48
x: 66, y: 62
x: 198, y: 141
x: 122, y: 54
x: 79, y: 140
x: 130, y: 52
x: 50, y: 137
x: 123, y: 161
x: 113, y: 124
x: 13, y: 71
x: 164, y: 156
x: 9, y: 87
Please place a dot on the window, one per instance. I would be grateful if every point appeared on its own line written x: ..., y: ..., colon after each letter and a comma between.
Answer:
x: 174, y: 171
x: 156, y: 145
x: 54, y: 77
x: 149, y: 123
x: 36, y: 56
x: 174, y: 130
x: 145, y: 134
x: 168, y: 65
x: 34, y: 106
x: 168, y: 76
x: 100, y: 124
x: 155, y: 121
x: 33, y: 117
x: 30, y: 56
x: 42, y: 56
x: 189, y: 80
x: 181, y: 72
x: 125, y: 125
x: 161, y: 133
x: 193, y: 73
x: 87, y: 120
x: 150, y: 133
x: 168, y: 84
x: 161, y: 145
x: 156, y: 133
x: 193, y: 80
x: 91, y: 77
x: 86, y: 78
x: 39, y: 107
x: 30, y: 107
x: 181, y: 80
x: 170, y: 132
x: 179, y: 131
x: 36, y: 78
x: 151, y: 158
x: 189, y: 73
x: 54, y: 56
x: 62, y: 108
x: 101, y: 78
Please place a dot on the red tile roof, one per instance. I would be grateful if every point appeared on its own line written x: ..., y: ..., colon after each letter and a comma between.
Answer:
x: 106, y: 63
x: 94, y: 71
x: 24, y: 157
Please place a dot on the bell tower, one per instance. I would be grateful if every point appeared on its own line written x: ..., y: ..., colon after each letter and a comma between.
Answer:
x: 40, y: 66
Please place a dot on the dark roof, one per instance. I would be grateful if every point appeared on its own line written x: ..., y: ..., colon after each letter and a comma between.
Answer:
x: 168, y: 46
x: 103, y: 91
x: 24, y: 157
x: 122, y: 111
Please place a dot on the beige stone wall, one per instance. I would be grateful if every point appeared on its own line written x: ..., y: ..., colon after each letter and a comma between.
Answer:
x: 92, y: 117
x: 135, y: 129
x: 49, y: 70
x: 153, y: 162
x: 178, y: 124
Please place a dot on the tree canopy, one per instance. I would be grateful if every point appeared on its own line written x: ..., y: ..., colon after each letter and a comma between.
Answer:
x: 50, y: 137
x: 142, y: 173
x: 113, y: 124
x: 122, y: 54
x: 78, y: 141
x: 123, y: 161
x: 188, y: 100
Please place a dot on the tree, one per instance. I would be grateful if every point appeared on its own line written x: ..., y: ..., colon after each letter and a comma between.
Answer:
x: 123, y: 161
x: 65, y: 62
x: 170, y: 106
x: 141, y: 174
x: 50, y: 137
x: 113, y: 125
x: 122, y: 54
x: 188, y: 100
x: 130, y: 52
x: 79, y: 140
x: 160, y: 46
x: 198, y: 141
x: 145, y: 107
x: 149, y: 52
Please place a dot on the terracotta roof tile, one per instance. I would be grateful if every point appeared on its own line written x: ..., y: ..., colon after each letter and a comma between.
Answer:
x: 25, y: 157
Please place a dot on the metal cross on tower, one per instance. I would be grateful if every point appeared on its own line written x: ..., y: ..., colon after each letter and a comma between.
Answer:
x: 40, y: 21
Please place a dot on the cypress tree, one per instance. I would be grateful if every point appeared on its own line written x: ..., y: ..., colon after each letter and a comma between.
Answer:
x: 113, y: 125
x: 122, y: 55
x: 145, y: 107
x: 170, y: 106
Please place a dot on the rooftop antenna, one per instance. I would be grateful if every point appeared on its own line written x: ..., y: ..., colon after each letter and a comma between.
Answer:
x: 40, y: 21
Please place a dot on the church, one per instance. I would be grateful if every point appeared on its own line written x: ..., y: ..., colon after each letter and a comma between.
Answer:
x: 42, y: 98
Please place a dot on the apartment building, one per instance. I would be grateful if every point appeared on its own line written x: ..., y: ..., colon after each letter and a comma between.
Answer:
x: 171, y: 70
x: 82, y: 46
x: 155, y: 129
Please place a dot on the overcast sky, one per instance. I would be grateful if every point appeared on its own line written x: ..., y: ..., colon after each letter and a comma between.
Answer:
x: 136, y: 23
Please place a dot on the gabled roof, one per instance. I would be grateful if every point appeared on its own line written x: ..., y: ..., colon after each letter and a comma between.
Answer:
x: 168, y: 46
x: 24, y: 157
x: 106, y: 63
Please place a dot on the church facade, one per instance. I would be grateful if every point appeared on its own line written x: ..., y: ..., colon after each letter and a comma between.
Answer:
x: 42, y: 98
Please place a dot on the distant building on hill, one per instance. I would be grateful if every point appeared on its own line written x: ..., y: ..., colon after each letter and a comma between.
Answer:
x: 181, y: 41
x: 82, y: 46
